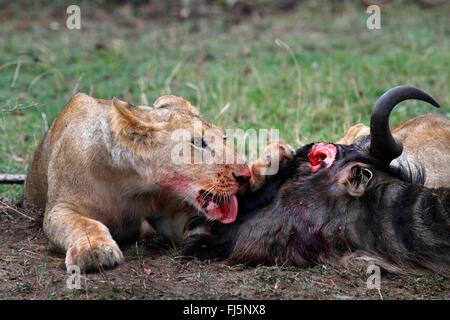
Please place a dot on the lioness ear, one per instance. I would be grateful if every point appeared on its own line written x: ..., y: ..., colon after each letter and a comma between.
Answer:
x: 124, y: 110
x: 176, y: 103
x: 126, y: 122
x: 355, y: 178
x: 354, y: 133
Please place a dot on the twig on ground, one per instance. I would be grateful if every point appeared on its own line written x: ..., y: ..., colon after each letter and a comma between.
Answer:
x: 5, y: 205
x: 12, y: 178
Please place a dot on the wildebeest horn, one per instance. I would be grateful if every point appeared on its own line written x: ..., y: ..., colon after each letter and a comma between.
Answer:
x: 383, y: 146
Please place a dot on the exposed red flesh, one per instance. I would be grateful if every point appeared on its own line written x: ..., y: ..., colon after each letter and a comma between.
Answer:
x: 322, y: 152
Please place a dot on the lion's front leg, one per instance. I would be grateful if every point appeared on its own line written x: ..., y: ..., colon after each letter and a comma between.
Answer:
x: 267, y: 163
x: 87, y: 242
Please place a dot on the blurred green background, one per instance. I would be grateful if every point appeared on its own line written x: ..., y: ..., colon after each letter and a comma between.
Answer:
x: 308, y: 68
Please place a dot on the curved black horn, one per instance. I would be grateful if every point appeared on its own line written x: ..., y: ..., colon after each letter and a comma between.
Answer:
x: 383, y: 145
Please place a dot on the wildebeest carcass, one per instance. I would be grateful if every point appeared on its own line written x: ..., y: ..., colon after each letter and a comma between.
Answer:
x: 332, y: 201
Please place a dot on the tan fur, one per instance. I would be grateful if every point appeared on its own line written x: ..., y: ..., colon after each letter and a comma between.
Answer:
x: 353, y: 133
x: 103, y: 172
x: 174, y: 102
x: 426, y: 138
x: 275, y: 151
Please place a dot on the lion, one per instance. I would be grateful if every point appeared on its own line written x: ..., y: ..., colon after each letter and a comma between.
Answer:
x: 104, y: 174
x: 423, y: 137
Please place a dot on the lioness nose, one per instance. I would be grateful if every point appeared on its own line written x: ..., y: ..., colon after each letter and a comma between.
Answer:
x: 242, y: 177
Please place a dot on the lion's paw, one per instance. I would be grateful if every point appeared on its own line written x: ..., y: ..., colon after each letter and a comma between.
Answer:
x: 268, y: 162
x: 94, y: 255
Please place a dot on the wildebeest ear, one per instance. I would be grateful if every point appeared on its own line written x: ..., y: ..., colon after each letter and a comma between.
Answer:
x: 175, y: 102
x: 354, y: 178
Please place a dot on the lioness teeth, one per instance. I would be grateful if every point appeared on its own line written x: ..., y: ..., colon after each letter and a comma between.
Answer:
x: 220, y: 207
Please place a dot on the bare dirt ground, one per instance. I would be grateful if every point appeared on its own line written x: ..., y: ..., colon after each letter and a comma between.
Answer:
x: 29, y: 269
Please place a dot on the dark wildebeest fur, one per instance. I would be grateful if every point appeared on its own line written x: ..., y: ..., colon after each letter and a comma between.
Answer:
x: 359, y: 204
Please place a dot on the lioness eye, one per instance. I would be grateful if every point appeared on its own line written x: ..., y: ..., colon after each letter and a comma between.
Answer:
x: 197, y: 142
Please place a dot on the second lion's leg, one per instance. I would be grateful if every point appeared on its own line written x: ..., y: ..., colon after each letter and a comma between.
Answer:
x: 87, y: 242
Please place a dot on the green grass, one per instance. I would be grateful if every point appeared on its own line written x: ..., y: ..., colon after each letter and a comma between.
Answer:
x: 323, y: 75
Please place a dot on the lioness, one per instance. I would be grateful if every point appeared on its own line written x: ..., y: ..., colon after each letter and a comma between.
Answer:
x: 103, y: 173
x: 425, y: 140
x: 422, y: 137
